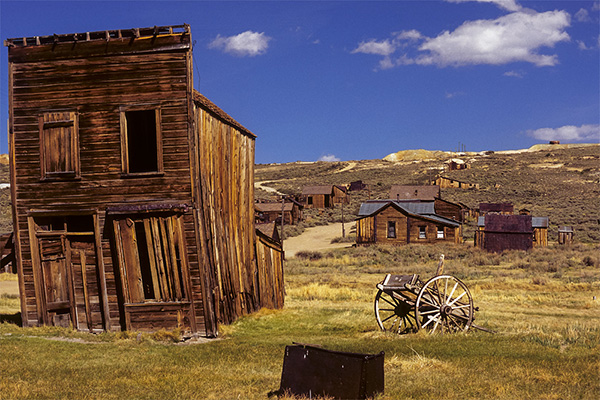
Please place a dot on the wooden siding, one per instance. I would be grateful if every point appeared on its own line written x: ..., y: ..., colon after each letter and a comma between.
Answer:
x: 269, y: 257
x: 374, y: 229
x: 193, y: 209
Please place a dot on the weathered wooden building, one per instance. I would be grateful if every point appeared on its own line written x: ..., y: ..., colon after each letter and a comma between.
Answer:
x: 340, y: 194
x: 498, y: 208
x: 323, y: 196
x: 445, y: 182
x: 456, y: 164
x: 394, y: 222
x: 565, y: 235
x: 132, y: 193
x: 449, y: 209
x: 271, y: 212
x: 498, y: 232
x: 414, y: 192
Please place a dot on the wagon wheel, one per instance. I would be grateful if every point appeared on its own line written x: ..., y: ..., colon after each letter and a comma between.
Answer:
x: 444, y: 305
x: 394, y: 314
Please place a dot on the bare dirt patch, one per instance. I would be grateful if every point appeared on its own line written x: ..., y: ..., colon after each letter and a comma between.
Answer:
x: 315, y: 239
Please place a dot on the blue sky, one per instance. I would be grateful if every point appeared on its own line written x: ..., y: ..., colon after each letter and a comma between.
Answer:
x: 352, y: 80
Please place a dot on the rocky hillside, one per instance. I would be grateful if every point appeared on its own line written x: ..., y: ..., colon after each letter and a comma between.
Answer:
x: 561, y: 182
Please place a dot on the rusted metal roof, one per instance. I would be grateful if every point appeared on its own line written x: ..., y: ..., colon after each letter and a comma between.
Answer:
x: 496, y: 207
x: 508, y: 223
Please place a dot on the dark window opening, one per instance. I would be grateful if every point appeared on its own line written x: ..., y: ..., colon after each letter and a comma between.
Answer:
x: 144, y: 259
x: 391, y: 233
x: 142, y: 148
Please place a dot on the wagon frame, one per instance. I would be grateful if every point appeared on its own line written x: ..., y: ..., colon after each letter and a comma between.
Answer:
x: 405, y: 304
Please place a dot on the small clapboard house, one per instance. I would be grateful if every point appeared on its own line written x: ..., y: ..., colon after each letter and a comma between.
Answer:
x: 271, y: 212
x: 132, y: 194
x: 397, y: 223
x: 317, y: 196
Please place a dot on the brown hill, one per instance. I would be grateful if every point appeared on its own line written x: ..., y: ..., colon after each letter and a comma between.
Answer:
x: 561, y: 182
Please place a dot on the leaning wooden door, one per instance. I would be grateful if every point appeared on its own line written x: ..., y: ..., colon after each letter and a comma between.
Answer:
x: 86, y: 284
x: 56, y: 280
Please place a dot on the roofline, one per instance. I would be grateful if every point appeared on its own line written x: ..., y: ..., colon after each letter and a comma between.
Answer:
x: 219, y: 113
x: 106, y: 36
x: 410, y: 214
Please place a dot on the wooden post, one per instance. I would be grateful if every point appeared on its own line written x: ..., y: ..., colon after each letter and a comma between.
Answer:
x: 343, y: 231
x: 440, y: 268
x: 282, y: 214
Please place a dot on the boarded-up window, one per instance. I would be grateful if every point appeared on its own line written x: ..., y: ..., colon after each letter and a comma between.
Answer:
x: 391, y: 232
x: 141, y: 140
x: 151, y: 252
x: 59, y: 145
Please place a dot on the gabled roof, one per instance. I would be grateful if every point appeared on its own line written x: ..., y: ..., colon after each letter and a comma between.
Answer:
x: 539, y: 222
x: 421, y: 210
x: 414, y: 192
x: 317, y: 189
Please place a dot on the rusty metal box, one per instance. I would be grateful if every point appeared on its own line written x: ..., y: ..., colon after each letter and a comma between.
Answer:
x: 313, y: 371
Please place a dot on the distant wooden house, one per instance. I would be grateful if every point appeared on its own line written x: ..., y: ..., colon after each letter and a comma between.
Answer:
x: 317, y: 196
x: 270, y: 230
x: 271, y: 212
x: 132, y: 194
x: 340, y: 195
x: 445, y: 182
x: 498, y: 208
x: 397, y: 223
x: 449, y: 209
x: 497, y: 232
x: 565, y: 235
x: 357, y: 186
x: 457, y: 164
x: 414, y: 192
x: 524, y: 211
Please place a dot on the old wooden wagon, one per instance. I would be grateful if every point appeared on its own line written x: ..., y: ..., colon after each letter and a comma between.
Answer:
x: 406, y: 304
x: 132, y: 193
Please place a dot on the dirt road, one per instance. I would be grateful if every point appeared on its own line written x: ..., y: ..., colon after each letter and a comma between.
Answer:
x: 315, y: 239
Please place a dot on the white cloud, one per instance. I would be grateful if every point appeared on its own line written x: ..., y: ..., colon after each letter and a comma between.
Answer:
x: 381, y: 48
x: 582, y: 15
x: 515, y: 37
x: 245, y: 44
x: 511, y: 38
x: 329, y: 158
x: 513, y: 74
x: 509, y: 5
x: 568, y: 133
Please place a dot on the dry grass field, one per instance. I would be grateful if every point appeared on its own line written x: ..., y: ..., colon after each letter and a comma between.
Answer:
x: 543, y: 305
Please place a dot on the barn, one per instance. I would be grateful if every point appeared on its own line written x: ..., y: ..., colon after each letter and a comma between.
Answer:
x: 132, y: 193
x: 397, y: 223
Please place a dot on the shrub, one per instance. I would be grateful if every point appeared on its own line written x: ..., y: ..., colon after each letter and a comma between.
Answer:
x: 309, y: 255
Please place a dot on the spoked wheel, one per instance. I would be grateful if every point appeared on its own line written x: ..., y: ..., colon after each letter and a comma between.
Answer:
x: 444, y: 305
x: 394, y: 314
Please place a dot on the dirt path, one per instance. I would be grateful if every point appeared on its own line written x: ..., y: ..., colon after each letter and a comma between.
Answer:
x: 315, y: 239
x: 9, y: 287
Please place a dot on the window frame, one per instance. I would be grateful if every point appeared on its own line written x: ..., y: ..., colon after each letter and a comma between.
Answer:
x: 55, y: 119
x: 166, y: 269
x: 125, y: 165
x: 422, y: 232
x: 392, y: 225
x: 440, y: 229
